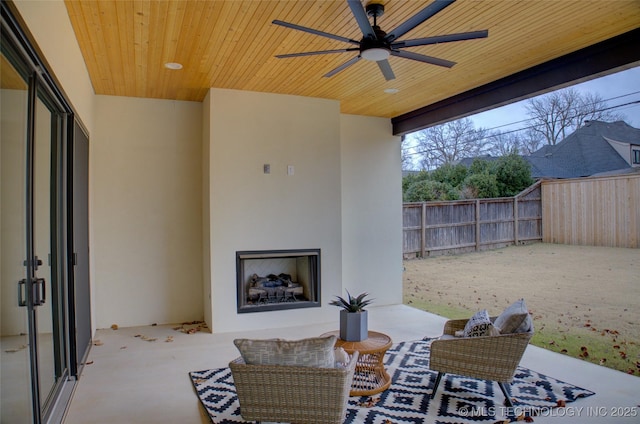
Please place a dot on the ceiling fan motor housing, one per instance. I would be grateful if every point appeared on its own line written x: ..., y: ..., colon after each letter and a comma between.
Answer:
x: 369, y: 43
x: 375, y: 48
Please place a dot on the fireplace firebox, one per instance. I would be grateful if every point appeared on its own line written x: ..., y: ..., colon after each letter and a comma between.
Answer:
x: 270, y: 280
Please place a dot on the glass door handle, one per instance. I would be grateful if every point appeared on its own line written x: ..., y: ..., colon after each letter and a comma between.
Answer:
x: 39, y: 291
x: 22, y: 292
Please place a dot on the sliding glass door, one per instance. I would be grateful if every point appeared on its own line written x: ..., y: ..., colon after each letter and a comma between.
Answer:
x: 34, y: 325
x: 15, y: 390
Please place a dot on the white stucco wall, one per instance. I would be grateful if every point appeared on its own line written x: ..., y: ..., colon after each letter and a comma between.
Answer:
x: 147, y: 214
x: 371, y: 209
x: 250, y: 210
x: 344, y: 198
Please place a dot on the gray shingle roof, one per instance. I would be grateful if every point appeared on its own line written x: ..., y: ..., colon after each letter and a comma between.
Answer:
x: 585, y: 152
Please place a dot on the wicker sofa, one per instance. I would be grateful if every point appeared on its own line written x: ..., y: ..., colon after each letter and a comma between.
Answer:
x: 492, y: 358
x: 293, y: 394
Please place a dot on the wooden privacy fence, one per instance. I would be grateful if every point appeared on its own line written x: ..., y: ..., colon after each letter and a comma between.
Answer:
x: 599, y: 211
x: 437, y: 228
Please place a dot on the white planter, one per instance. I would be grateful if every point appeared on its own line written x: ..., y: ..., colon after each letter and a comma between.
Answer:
x: 353, y: 326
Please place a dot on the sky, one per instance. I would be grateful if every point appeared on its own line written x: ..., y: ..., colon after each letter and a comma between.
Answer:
x: 616, y: 89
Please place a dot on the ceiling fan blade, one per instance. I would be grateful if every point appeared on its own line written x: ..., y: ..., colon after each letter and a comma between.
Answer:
x: 284, y: 56
x: 362, y: 19
x: 422, y: 58
x: 315, y: 32
x: 385, y: 67
x: 342, y: 67
x: 417, y: 19
x: 440, y: 39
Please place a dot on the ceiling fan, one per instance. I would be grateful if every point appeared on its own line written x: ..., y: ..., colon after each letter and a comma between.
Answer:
x: 377, y: 45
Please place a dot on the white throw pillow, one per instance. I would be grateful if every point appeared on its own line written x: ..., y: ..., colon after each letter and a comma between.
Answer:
x: 515, y: 319
x: 479, y: 325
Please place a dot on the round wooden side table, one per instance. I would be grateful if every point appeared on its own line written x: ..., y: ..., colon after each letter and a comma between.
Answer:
x: 370, y: 377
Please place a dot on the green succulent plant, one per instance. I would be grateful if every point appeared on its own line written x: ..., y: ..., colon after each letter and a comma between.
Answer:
x: 351, y: 303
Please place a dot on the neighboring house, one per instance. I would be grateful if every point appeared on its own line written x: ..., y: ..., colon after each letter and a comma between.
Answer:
x: 596, y: 148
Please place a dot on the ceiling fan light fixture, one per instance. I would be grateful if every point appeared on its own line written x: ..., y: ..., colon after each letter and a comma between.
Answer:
x: 375, y: 54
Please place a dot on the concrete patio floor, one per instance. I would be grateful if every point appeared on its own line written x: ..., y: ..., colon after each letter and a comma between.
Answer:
x: 130, y: 380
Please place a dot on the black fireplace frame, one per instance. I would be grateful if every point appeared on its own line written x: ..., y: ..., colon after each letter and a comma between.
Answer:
x: 241, y: 294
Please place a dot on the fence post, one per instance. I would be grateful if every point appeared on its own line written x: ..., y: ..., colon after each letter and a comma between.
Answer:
x: 477, y: 225
x: 423, y: 231
x: 515, y: 220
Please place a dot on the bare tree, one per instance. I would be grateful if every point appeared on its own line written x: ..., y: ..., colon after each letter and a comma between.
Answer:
x: 592, y: 107
x: 450, y: 142
x: 558, y: 114
x: 531, y: 141
x: 406, y: 154
x: 504, y: 143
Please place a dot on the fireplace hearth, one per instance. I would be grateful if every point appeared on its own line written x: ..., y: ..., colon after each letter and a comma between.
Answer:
x: 269, y: 280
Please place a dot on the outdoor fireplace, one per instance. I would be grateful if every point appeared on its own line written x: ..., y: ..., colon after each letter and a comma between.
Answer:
x: 269, y: 280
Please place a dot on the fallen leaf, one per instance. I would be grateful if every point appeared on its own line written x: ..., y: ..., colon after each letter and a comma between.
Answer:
x: 561, y: 403
x: 17, y: 349
x: 114, y: 326
x: 169, y: 339
x: 97, y: 343
x: 122, y: 347
x: 369, y: 402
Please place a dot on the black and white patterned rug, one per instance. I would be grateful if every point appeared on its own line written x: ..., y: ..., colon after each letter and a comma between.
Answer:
x: 458, y: 399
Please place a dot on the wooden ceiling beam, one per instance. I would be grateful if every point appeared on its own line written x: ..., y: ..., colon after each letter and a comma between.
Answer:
x: 594, y: 61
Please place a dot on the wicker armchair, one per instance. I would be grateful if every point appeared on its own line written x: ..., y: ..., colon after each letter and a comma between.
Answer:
x: 294, y: 394
x: 492, y: 358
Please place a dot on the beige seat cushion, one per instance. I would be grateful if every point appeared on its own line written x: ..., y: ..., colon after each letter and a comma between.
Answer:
x: 311, y: 352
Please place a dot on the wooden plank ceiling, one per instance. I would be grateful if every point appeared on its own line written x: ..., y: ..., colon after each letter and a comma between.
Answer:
x: 232, y: 44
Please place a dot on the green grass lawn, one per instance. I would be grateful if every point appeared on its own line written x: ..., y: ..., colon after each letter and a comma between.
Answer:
x: 602, y: 346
